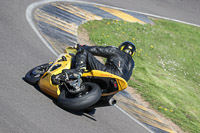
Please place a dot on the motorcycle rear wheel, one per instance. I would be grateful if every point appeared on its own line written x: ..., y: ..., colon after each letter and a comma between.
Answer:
x: 34, y: 75
x: 81, y: 102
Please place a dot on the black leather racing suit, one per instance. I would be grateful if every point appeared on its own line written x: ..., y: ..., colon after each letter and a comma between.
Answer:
x: 118, y: 62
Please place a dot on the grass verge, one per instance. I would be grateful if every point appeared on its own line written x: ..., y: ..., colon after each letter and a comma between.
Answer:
x: 167, y: 71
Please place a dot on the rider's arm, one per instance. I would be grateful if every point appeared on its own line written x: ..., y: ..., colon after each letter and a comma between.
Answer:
x: 101, y: 51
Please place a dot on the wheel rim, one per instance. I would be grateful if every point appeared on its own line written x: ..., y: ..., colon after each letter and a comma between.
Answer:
x: 86, y: 90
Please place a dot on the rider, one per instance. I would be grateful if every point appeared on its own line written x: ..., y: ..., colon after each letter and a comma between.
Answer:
x: 119, y: 60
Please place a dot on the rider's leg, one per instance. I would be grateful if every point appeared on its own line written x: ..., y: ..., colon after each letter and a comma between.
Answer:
x: 85, y: 59
x: 80, y: 65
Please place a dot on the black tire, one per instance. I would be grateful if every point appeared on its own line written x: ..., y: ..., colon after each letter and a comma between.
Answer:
x: 83, y: 102
x: 33, y: 78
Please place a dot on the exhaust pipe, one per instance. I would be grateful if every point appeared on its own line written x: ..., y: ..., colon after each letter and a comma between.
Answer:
x: 112, y: 102
x: 104, y: 103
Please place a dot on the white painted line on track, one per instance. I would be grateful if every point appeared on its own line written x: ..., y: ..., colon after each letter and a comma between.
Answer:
x: 175, y: 20
x: 138, y: 122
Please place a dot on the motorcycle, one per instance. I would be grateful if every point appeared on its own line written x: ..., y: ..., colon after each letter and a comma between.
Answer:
x: 97, y: 87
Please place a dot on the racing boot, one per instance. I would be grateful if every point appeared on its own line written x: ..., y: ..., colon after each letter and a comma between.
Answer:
x: 74, y: 76
x: 80, y: 67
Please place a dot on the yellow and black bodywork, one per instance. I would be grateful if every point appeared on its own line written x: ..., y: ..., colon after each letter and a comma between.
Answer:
x: 109, y: 83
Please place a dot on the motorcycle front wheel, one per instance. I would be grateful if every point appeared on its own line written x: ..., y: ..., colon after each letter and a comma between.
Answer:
x: 81, y: 101
x: 34, y: 75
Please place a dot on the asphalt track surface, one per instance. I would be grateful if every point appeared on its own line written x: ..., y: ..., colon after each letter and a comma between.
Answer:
x: 23, y: 109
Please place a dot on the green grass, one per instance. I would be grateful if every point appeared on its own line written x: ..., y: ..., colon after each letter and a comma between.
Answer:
x: 167, y: 70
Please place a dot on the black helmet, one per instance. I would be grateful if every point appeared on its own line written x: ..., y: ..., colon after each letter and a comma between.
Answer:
x: 128, y: 47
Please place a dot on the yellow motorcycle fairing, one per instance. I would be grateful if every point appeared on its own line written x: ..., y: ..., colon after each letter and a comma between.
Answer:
x: 122, y: 84
x: 45, y: 82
